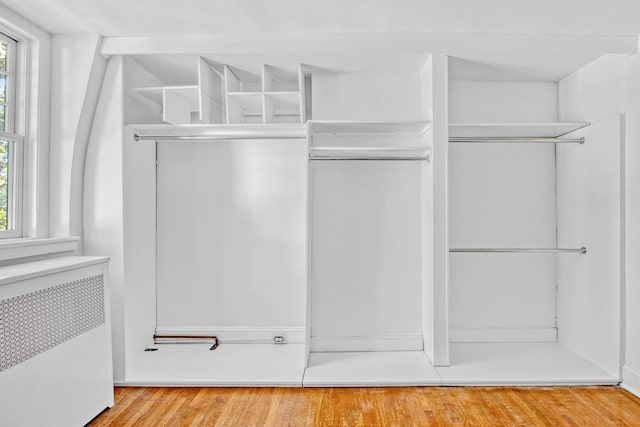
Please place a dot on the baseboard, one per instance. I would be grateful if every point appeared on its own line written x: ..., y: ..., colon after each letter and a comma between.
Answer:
x: 631, y: 380
x: 239, y: 334
x: 503, y: 335
x: 370, y: 343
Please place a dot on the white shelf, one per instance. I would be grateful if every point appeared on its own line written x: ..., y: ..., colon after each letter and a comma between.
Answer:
x: 520, y: 364
x: 512, y: 130
x: 284, y: 100
x: 361, y: 369
x: 274, y: 130
x: 155, y: 94
x: 413, y: 128
x: 243, y: 365
x: 247, y: 100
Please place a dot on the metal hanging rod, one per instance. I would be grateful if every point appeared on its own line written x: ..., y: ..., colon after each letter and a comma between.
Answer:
x: 420, y: 158
x: 137, y: 137
x: 523, y: 140
x: 582, y: 250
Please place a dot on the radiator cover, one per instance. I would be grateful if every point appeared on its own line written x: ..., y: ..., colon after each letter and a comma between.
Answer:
x: 35, y: 322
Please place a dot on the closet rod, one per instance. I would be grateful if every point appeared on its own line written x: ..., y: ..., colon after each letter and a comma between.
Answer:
x: 137, y: 137
x: 523, y: 140
x: 582, y: 250
x: 421, y: 158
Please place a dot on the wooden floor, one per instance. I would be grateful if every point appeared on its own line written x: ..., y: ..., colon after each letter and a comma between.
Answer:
x: 402, y: 406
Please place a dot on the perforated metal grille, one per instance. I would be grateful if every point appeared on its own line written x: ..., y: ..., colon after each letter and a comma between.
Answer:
x: 35, y: 322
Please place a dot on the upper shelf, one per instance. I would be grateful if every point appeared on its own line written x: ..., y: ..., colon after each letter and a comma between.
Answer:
x: 219, y: 131
x: 346, y: 128
x: 512, y: 130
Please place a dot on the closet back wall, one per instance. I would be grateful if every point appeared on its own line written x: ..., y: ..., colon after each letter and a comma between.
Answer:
x: 502, y: 195
x: 231, y: 237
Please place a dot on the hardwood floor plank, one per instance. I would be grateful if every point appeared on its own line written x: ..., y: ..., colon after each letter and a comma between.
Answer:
x: 388, y: 406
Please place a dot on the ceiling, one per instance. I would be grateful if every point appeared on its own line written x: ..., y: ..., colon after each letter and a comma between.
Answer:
x: 301, y: 17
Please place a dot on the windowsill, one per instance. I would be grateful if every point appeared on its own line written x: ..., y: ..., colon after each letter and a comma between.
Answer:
x: 27, y: 247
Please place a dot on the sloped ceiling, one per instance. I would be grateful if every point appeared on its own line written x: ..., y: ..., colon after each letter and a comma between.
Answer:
x: 299, y: 17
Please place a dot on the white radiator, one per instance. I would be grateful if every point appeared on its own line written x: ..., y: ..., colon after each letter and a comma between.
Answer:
x: 55, y: 345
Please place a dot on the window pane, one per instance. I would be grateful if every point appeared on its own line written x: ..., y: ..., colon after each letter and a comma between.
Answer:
x: 3, y: 88
x: 3, y: 112
x: 3, y: 56
x: 4, y: 184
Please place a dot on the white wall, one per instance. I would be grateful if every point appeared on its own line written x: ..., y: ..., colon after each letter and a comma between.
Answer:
x: 77, y: 74
x: 366, y: 96
x: 632, y: 271
x: 609, y: 86
x: 103, y: 199
x: 475, y: 101
x: 502, y: 296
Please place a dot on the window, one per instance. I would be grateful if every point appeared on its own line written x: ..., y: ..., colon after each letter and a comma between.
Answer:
x: 11, y: 142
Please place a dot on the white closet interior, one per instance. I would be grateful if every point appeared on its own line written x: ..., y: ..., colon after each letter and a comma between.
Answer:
x: 534, y: 211
x: 294, y: 197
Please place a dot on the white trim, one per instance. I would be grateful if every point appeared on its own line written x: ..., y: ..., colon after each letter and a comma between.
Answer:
x: 31, y: 270
x: 399, y: 342
x: 490, y: 335
x: 21, y: 248
x: 239, y: 334
x: 449, y: 43
x: 631, y: 380
x: 33, y: 103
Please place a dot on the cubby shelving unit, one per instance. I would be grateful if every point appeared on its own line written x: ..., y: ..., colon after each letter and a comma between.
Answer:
x: 234, y: 96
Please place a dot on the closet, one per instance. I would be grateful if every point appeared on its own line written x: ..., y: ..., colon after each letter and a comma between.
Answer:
x: 370, y: 219
x: 534, y: 229
x: 367, y: 224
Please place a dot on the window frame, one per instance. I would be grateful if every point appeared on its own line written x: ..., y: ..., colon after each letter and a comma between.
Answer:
x: 15, y: 138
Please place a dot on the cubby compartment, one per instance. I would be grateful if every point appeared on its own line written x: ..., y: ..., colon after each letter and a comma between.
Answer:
x: 201, y: 102
x: 245, y: 108
x: 277, y: 79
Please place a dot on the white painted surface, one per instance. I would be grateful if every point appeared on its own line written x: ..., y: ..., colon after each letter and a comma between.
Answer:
x: 35, y: 120
x: 589, y: 214
x: 68, y: 384
x: 365, y: 248
x: 176, y: 109
x: 490, y: 335
x: 238, y: 334
x: 520, y: 364
x: 502, y: 195
x: 362, y: 369
x: 31, y: 270
x: 594, y: 92
x: 77, y: 73
x: 395, y: 342
x: 103, y: 198
x: 440, y: 188
x: 231, y: 226
x: 12, y: 249
x: 333, y: 16
x: 631, y: 380
x: 512, y: 130
x: 138, y: 108
x: 139, y: 242
x: 632, y: 235
x: 367, y: 96
x: 229, y: 365
x: 503, y: 291
x: 500, y: 102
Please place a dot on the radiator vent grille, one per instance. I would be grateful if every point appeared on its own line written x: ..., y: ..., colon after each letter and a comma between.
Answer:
x: 35, y: 322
